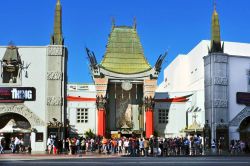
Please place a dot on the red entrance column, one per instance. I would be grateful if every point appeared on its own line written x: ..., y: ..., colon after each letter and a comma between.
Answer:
x: 100, y: 103
x: 149, y: 122
x: 149, y: 105
x: 101, y: 122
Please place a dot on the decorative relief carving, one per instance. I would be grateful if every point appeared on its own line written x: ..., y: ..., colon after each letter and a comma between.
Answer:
x: 220, y: 81
x: 54, y: 75
x: 149, y: 103
x: 220, y: 103
x: 222, y: 126
x: 54, y: 101
x: 207, y: 60
x: 55, y: 123
x: 24, y: 111
x: 126, y: 85
x: 101, y: 102
x: 55, y: 50
x: 220, y: 59
x: 240, y: 117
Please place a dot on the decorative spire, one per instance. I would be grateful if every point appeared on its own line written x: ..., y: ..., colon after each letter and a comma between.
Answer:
x: 113, y: 23
x: 215, y: 45
x: 134, y: 23
x: 214, y: 5
x: 57, y: 37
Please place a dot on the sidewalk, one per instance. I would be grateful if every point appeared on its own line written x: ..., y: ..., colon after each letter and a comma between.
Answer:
x: 45, y: 155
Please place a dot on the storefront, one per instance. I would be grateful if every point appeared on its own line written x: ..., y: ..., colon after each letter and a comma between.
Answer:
x: 27, y: 104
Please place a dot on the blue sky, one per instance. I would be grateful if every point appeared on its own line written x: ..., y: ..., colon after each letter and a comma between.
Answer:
x: 173, y: 25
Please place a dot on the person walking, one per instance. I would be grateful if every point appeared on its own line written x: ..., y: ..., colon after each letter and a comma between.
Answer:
x: 17, y: 144
x: 120, y: 146
x: 165, y: 148
x: 70, y: 145
x: 2, y: 145
x: 126, y: 146
x: 146, y: 147
x: 49, y: 144
x: 22, y: 147
x: 141, y: 146
x: 213, y: 147
x: 55, y: 146
x: 12, y: 145
x: 78, y: 145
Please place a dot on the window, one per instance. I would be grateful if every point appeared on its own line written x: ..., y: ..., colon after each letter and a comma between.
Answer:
x: 82, y: 115
x: 163, y: 116
x: 39, y: 137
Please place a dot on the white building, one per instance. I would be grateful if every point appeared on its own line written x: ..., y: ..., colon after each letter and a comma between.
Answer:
x: 32, y: 90
x: 185, y: 75
x: 81, y: 108
x: 218, y: 80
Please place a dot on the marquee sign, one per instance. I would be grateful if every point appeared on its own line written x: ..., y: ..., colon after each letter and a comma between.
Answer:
x: 17, y: 94
x: 243, y: 98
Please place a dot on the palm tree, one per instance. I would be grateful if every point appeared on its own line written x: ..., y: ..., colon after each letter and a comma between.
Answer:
x: 89, y: 134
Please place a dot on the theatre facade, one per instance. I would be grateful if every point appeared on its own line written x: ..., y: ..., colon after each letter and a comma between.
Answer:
x: 216, y: 82
x: 125, y: 84
x: 32, y: 90
x: 205, y: 92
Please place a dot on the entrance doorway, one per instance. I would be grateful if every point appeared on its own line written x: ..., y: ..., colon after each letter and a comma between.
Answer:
x: 7, y: 138
x: 245, y: 130
x: 14, y: 125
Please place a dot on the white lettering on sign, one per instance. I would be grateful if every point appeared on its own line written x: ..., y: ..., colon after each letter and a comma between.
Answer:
x: 21, y: 94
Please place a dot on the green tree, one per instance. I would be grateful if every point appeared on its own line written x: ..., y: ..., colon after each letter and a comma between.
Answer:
x: 89, y: 134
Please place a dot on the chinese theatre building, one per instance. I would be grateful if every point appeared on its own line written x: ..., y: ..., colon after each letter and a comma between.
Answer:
x: 32, y: 90
x: 125, y: 85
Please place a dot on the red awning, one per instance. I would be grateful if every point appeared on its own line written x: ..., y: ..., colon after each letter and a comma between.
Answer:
x: 175, y: 99
x: 75, y: 98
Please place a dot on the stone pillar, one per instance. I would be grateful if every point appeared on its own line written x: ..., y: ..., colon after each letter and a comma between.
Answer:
x: 56, y: 84
x: 100, y: 102
x: 33, y: 140
x: 149, y: 104
x: 216, y: 91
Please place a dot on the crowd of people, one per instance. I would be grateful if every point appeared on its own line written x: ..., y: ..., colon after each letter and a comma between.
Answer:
x: 238, y: 146
x: 134, y: 146
x: 16, y: 145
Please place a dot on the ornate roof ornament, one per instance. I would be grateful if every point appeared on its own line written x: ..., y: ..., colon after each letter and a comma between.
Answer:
x: 113, y: 23
x: 57, y: 37
x: 215, y: 45
x: 134, y: 23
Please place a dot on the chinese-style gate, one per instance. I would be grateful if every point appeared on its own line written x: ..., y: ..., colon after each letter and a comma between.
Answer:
x: 125, y: 84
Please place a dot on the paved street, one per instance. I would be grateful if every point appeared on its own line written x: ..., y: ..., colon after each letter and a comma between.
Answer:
x: 114, y: 160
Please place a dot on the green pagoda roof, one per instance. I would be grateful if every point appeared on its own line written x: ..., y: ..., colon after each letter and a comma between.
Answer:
x: 124, y: 53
